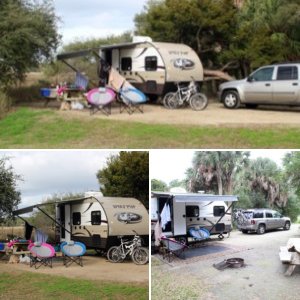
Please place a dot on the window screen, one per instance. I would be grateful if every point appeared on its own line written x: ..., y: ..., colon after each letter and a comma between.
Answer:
x: 151, y: 63
x: 76, y: 218
x: 219, y: 211
x: 287, y: 73
x: 96, y: 217
x: 192, y: 211
x: 126, y: 64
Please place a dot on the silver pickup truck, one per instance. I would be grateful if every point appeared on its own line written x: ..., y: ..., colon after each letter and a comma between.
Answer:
x: 275, y: 84
x: 261, y: 220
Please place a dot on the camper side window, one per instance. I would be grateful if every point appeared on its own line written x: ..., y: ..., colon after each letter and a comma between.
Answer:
x: 192, y: 211
x: 96, y: 217
x: 219, y: 211
x: 126, y: 64
x: 76, y: 218
x: 151, y: 63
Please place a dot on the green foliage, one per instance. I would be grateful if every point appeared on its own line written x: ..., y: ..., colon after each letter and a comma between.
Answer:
x: 28, y: 35
x: 10, y: 196
x: 158, y: 185
x: 5, y: 103
x: 126, y: 175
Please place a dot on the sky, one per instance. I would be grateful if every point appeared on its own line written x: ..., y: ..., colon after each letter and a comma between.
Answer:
x: 96, y: 18
x: 46, y: 173
x: 168, y: 165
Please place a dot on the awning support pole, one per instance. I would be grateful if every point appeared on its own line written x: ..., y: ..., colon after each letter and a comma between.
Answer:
x: 226, y: 212
x: 53, y: 220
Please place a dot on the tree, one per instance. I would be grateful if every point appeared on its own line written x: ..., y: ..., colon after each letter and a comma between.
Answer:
x: 158, y: 185
x: 10, y: 196
x: 126, y: 175
x: 214, y: 171
x: 28, y: 35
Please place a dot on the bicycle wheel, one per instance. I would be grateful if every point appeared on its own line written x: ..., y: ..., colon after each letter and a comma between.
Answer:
x: 140, y: 256
x: 166, y: 99
x: 198, y: 101
x: 114, y: 254
x: 173, y: 101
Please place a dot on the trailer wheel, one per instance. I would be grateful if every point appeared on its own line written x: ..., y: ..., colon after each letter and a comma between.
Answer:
x: 182, y: 240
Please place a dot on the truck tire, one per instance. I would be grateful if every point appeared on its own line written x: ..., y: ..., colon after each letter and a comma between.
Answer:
x: 261, y: 229
x: 231, y: 99
x: 287, y: 225
x: 244, y: 231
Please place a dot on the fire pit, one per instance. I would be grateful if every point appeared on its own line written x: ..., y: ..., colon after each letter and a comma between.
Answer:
x: 230, y: 263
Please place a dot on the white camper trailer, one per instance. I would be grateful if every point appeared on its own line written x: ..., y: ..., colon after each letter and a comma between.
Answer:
x: 192, y: 210
x: 153, y: 67
x: 97, y: 221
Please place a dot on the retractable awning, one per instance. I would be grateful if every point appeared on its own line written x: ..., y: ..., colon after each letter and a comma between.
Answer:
x: 192, y: 197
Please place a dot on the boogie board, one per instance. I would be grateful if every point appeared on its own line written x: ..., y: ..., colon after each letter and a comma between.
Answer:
x: 101, y: 96
x: 42, y: 250
x: 132, y: 95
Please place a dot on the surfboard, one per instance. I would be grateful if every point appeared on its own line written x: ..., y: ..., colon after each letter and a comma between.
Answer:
x: 132, y: 95
x: 101, y: 96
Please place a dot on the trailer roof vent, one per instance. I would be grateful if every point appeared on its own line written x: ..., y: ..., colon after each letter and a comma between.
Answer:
x: 93, y: 194
x: 139, y: 38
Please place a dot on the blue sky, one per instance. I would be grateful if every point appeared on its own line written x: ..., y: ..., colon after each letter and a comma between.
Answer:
x: 96, y: 18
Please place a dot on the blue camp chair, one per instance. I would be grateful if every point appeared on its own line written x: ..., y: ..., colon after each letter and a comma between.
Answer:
x: 72, y: 253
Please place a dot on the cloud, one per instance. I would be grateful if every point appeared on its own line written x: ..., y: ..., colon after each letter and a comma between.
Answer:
x: 56, y: 172
x: 96, y: 18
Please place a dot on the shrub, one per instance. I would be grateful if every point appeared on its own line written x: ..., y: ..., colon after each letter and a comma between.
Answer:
x: 5, y: 103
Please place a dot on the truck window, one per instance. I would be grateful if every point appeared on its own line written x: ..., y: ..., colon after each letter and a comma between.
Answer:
x: 151, y: 63
x: 76, y: 218
x: 264, y: 74
x: 258, y: 215
x: 96, y: 217
x: 287, y: 73
x: 192, y: 211
x: 269, y: 215
x: 219, y: 211
x: 126, y: 64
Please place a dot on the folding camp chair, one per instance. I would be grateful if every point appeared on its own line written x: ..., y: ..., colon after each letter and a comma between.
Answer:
x: 72, y: 253
x: 172, y: 247
x: 41, y: 254
x: 131, y: 100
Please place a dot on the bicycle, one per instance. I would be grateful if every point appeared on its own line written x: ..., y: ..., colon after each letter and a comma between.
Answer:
x: 186, y: 95
x: 139, y: 255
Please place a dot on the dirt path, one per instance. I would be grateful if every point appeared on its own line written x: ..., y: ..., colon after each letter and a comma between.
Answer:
x: 262, y: 278
x: 215, y: 114
x: 95, y: 268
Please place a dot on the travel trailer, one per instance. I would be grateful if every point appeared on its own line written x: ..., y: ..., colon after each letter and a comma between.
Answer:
x: 153, y: 67
x: 98, y: 221
x: 192, y: 211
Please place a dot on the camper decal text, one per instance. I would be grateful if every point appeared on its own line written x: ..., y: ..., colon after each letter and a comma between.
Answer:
x: 128, y: 217
x: 124, y: 206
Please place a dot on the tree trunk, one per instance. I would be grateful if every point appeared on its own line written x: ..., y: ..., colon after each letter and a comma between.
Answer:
x: 216, y: 74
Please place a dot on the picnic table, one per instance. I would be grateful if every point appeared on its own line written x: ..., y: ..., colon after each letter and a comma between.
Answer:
x: 290, y: 254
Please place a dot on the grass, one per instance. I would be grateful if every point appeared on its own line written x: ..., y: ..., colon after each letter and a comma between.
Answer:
x: 174, y: 285
x: 39, y: 286
x: 29, y: 128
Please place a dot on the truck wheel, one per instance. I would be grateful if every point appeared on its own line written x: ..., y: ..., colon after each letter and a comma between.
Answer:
x: 287, y: 226
x: 261, y: 229
x: 244, y: 231
x: 231, y: 99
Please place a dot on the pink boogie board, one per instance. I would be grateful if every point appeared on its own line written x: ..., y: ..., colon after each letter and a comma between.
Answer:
x: 101, y: 96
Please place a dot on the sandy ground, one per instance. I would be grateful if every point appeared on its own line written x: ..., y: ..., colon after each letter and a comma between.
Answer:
x: 262, y: 278
x: 214, y: 115
x: 94, y: 268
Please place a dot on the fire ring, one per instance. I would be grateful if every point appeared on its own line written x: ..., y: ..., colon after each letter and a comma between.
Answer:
x: 235, y: 262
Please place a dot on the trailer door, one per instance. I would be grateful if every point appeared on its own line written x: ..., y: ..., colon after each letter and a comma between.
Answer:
x: 179, y: 218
